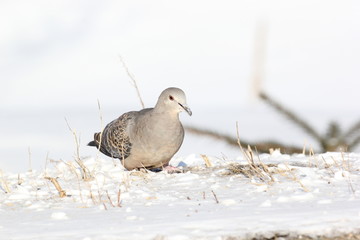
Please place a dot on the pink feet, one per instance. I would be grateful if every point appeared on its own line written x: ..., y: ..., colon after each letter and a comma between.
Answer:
x: 167, y: 168
x: 171, y: 169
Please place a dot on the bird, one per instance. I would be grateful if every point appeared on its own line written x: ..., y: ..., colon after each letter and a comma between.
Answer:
x: 148, y: 138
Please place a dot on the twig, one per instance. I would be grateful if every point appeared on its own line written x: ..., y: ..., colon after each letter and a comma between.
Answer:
x: 304, y: 149
x: 296, y: 179
x: 108, y: 196
x: 118, y: 198
x: 216, y: 199
x: 249, y: 155
x: 92, y: 197
x: 75, y: 138
x: 54, y: 181
x: 101, y: 127
x: 265, y: 168
x: 4, y: 184
x: 85, y: 172
x: 326, y: 165
x: 132, y: 79
x: 104, y: 206
x: 100, y: 199
x: 73, y: 169
x: 206, y: 160
x: 20, y: 181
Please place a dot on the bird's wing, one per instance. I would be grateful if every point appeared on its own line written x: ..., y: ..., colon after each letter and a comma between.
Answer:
x: 115, y: 140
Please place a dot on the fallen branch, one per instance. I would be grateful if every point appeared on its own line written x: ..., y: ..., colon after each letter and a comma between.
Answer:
x: 262, y: 147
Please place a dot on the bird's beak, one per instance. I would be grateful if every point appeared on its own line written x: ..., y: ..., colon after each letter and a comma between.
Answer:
x: 186, y: 108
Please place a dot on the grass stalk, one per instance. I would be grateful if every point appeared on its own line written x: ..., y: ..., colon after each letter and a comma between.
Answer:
x: 86, y: 175
x: 101, y: 128
x: 110, y: 201
x: 296, y: 179
x: 30, y: 160
x: 4, y: 184
x: 215, y: 197
x: 54, y: 181
x: 119, y: 198
x: 206, y: 160
x: 132, y: 77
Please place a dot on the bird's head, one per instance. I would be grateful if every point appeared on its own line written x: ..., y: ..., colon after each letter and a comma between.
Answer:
x: 174, y: 100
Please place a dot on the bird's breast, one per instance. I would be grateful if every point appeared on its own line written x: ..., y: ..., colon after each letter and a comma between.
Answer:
x: 159, y: 136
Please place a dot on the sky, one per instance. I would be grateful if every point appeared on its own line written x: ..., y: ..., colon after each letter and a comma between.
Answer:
x: 64, y: 56
x: 66, y: 52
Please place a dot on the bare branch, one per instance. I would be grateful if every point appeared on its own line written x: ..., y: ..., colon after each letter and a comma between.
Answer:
x: 294, y: 118
x: 354, y: 143
x: 352, y: 130
x: 262, y: 147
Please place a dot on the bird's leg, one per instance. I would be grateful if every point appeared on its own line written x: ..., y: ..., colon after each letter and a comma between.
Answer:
x: 167, y: 168
x: 172, y: 169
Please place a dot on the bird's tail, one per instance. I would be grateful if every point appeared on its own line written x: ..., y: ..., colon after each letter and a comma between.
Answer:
x: 95, y: 142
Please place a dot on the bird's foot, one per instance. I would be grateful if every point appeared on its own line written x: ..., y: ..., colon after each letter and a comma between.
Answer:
x: 168, y: 169
x: 171, y: 169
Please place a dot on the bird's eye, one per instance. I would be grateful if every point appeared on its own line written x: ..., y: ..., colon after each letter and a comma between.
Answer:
x: 171, y: 98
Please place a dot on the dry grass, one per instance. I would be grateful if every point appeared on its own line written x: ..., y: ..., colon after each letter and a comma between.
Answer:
x: 278, y: 236
x: 215, y: 197
x: 4, y: 184
x: 206, y: 160
x: 101, y: 128
x: 86, y: 175
x: 54, y: 181
x: 256, y: 167
x: 251, y: 170
x: 265, y: 173
x: 90, y: 186
x: 133, y: 80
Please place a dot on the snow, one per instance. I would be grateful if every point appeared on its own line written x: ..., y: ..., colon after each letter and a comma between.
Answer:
x: 287, y: 195
x: 311, y: 67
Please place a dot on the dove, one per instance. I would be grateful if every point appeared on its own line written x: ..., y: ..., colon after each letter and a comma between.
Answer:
x: 148, y: 138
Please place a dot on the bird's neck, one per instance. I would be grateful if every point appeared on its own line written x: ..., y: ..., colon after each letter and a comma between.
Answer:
x: 168, y: 115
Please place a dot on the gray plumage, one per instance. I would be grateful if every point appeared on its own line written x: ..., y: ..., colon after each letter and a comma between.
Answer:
x: 147, y: 138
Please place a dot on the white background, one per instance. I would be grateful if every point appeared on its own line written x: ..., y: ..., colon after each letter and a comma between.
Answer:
x: 57, y: 58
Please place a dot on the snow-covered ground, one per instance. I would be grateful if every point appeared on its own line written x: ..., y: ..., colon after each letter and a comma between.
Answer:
x: 281, y: 195
x: 60, y: 57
